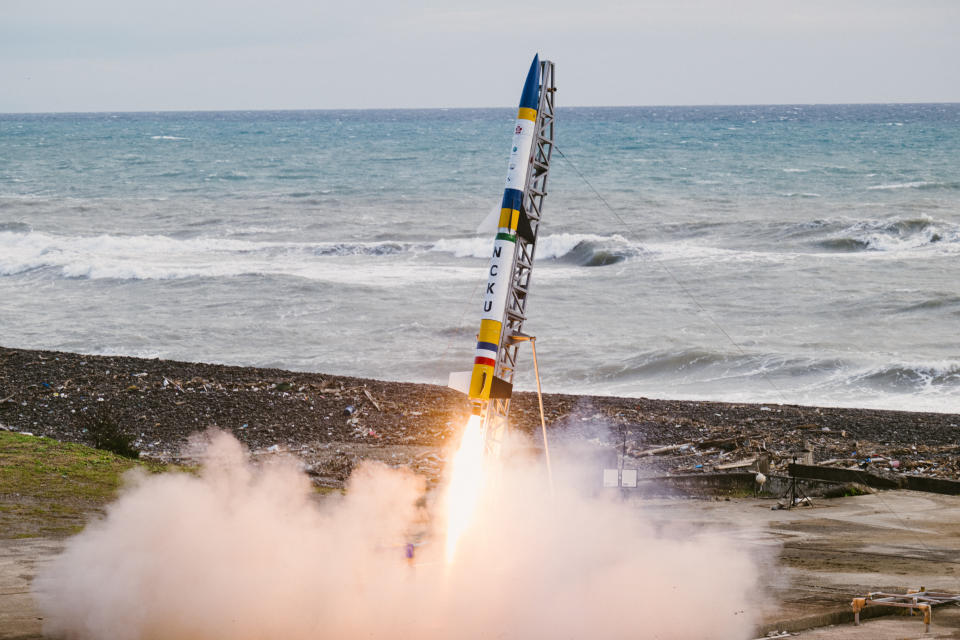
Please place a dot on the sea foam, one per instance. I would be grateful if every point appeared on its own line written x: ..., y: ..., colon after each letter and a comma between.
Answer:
x: 157, y: 257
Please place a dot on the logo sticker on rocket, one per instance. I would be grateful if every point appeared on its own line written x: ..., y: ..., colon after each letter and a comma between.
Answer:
x: 500, y: 263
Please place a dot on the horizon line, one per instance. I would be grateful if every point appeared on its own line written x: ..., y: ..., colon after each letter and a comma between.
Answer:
x: 624, y: 106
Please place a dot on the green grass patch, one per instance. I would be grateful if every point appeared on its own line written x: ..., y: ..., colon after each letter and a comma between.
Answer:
x: 848, y: 490
x: 50, y: 488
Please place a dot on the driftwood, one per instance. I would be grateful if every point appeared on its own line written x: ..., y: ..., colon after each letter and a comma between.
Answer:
x: 370, y: 398
x: 736, y: 465
x: 659, y: 450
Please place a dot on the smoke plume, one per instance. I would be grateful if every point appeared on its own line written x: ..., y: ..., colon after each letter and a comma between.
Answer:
x: 241, y: 552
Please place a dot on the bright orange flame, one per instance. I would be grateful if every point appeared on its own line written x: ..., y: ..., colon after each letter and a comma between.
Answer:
x: 466, y: 485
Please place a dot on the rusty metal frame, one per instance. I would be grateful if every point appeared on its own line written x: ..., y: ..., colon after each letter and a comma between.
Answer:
x: 922, y: 600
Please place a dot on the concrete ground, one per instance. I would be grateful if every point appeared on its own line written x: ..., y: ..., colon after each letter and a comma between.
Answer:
x: 816, y: 559
x: 946, y: 624
x: 19, y: 562
x: 813, y: 560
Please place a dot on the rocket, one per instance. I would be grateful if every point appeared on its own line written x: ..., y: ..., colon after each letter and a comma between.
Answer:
x: 481, y: 384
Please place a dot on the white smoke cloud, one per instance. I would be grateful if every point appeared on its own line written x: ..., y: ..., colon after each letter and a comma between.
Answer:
x: 244, y: 552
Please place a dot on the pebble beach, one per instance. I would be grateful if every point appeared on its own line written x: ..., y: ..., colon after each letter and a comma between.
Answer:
x: 330, y: 422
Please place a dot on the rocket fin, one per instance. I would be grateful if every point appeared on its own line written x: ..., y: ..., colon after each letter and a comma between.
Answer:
x: 491, y: 222
x: 523, y: 225
x: 460, y: 381
x: 501, y: 389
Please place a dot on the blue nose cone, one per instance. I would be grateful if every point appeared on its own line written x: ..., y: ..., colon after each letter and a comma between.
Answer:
x: 530, y: 98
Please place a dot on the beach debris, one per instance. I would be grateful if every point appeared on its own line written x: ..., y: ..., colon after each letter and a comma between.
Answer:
x: 370, y: 398
x: 760, y: 480
x: 739, y: 464
x: 661, y: 450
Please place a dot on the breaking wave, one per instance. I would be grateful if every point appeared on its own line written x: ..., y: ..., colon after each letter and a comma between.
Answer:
x: 158, y: 257
x: 587, y: 250
x: 916, y: 184
x: 15, y: 227
x: 718, y: 374
x: 888, y: 235
x: 186, y: 255
x: 941, y: 301
x: 844, y: 244
x: 262, y: 249
x: 705, y: 365
x: 912, y: 377
x: 366, y: 249
x: 839, y: 235
x: 849, y: 235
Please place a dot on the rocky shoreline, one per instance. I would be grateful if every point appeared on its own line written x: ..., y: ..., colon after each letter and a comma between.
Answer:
x: 331, y: 422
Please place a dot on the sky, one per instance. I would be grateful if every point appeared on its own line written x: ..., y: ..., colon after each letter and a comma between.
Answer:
x: 144, y: 55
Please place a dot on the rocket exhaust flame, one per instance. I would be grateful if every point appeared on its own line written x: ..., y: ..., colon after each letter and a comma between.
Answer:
x: 467, y: 481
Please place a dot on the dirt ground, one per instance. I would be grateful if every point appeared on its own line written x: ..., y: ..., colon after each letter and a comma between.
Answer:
x: 814, y: 560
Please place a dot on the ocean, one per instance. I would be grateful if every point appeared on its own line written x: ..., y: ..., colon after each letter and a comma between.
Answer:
x: 773, y: 254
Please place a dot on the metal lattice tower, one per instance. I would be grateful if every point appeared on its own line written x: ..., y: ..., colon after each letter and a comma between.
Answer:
x: 495, y: 420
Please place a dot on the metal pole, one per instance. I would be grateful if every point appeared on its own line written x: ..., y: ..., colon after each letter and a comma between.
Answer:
x: 543, y: 423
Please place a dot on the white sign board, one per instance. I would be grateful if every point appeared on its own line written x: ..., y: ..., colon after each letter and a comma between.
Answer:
x: 611, y: 478
x: 630, y: 478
